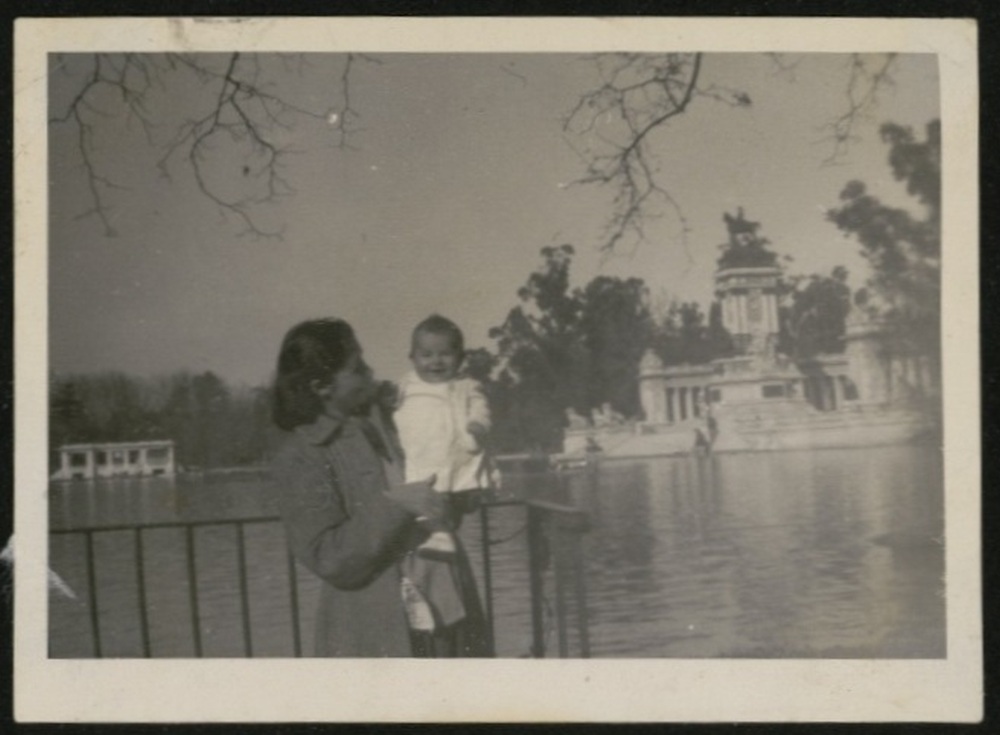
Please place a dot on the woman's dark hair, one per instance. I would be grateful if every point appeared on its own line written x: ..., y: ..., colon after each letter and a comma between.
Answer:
x: 437, y: 324
x: 312, y: 350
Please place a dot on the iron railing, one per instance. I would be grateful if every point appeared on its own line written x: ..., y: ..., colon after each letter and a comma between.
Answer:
x: 554, y: 533
x: 553, y: 538
x: 189, y: 529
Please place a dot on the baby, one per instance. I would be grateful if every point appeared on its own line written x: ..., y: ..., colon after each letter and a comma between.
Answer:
x: 442, y: 421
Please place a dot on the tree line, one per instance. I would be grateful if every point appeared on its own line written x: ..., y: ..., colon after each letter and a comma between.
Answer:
x: 212, y: 424
x: 563, y: 348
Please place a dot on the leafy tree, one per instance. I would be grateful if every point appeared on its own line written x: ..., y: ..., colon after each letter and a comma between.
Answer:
x: 902, y: 249
x: 261, y: 436
x: 535, y: 400
x: 564, y: 348
x: 67, y: 416
x: 211, y: 424
x: 814, y: 316
x: 538, y: 343
x: 212, y: 404
x: 684, y: 337
x: 479, y: 364
x: 117, y: 408
x: 616, y: 327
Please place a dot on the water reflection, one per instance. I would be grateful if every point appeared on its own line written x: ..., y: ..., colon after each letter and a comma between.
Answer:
x: 835, y: 553
x: 830, y: 554
x: 133, y: 500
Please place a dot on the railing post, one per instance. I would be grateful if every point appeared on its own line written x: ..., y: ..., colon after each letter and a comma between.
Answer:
x: 567, y: 523
x: 484, y: 537
x: 95, y: 620
x: 546, y: 524
x: 140, y: 581
x: 580, y: 588
x: 558, y: 541
x: 137, y: 534
x: 536, y: 560
x: 193, y: 589
x: 293, y: 591
x: 241, y: 556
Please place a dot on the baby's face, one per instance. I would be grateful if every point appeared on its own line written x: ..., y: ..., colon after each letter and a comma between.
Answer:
x: 434, y: 357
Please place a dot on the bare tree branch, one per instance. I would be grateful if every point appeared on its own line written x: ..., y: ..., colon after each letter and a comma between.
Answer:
x: 867, y: 77
x: 345, y: 117
x: 639, y: 94
x: 611, y: 126
x: 237, y: 122
x: 783, y: 66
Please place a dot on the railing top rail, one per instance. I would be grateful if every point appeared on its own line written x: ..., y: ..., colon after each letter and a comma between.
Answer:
x: 168, y: 524
x: 550, y: 507
x: 542, y: 505
x: 565, y: 517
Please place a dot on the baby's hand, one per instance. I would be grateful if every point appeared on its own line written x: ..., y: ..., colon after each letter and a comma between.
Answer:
x: 387, y: 395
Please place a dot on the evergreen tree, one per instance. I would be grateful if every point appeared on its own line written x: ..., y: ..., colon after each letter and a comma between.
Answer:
x: 813, y: 316
x: 903, y: 249
x: 564, y: 348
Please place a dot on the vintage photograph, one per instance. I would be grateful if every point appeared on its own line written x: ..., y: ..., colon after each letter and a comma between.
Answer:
x: 592, y: 354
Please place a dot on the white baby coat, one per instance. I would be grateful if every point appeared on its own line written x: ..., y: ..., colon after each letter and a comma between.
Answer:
x: 431, y: 419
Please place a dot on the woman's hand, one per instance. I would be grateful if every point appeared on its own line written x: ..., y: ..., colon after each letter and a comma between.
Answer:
x: 477, y: 429
x: 419, y: 498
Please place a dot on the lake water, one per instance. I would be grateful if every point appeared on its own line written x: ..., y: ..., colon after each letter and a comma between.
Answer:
x: 833, y: 553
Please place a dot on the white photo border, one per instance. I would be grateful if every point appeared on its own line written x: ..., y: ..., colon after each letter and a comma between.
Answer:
x: 330, y: 690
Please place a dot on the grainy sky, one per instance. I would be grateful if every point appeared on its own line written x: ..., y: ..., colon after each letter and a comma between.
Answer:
x: 456, y: 176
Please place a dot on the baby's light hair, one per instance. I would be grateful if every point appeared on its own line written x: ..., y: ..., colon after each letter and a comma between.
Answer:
x: 437, y: 324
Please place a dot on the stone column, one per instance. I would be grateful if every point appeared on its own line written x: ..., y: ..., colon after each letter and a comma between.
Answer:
x: 927, y: 376
x: 171, y: 468
x: 835, y: 397
x: 815, y: 393
x: 913, y: 373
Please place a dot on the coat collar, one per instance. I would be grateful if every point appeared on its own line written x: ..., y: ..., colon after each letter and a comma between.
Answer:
x: 322, y: 430
x: 377, y: 420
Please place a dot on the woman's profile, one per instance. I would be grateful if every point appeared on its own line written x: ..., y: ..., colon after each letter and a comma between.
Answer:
x: 349, y: 517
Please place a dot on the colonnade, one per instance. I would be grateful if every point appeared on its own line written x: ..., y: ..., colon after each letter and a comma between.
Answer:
x: 829, y: 392
x: 87, y: 461
x: 824, y: 392
x: 910, y: 375
x: 684, y: 402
